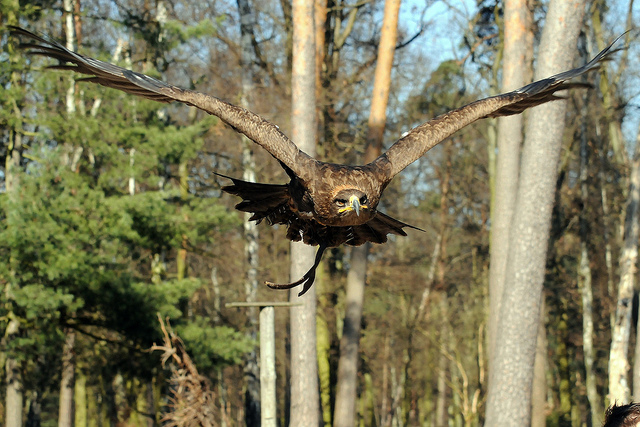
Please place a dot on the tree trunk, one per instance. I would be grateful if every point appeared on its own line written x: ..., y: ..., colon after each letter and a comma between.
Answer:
x: 80, y: 398
x: 509, y: 399
x: 324, y: 335
x: 619, y: 387
x: 346, y: 389
x: 181, y: 258
x: 14, y: 393
x: 385, y: 416
x: 305, y: 398
x: 584, y: 278
x: 563, y: 362
x: 324, y: 350
x: 69, y: 28
x: 251, y: 368
x: 382, y: 80
x: 606, y: 233
x: 539, y: 388
x: 442, y: 418
x: 67, y: 378
x: 320, y: 16
x: 34, y: 416
x: 607, y: 85
x: 508, y: 160
x: 636, y: 365
x: 67, y: 381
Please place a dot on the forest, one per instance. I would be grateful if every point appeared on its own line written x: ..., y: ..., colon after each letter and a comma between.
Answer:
x: 514, y: 303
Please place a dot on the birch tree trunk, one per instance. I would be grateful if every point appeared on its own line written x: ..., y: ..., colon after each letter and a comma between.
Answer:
x: 584, y: 278
x: 539, y: 387
x: 509, y: 400
x: 14, y: 393
x: 305, y: 398
x: 619, y: 386
x: 14, y: 389
x: 346, y: 389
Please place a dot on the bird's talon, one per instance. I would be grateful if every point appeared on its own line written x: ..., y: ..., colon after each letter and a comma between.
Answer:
x: 307, y: 279
x: 283, y: 285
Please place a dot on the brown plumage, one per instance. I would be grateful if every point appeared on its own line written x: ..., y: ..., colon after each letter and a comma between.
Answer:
x: 324, y: 204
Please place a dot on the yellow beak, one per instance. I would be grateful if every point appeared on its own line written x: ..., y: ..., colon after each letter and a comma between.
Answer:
x: 354, y: 205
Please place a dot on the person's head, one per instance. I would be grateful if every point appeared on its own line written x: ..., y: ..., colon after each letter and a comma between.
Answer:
x: 623, y: 415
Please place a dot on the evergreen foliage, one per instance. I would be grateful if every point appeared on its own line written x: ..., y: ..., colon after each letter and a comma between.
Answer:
x: 80, y: 249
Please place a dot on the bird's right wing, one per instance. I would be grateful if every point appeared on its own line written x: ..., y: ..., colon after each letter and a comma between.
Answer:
x: 257, y: 129
x: 422, y: 138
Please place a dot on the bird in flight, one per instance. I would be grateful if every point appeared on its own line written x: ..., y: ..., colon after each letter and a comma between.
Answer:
x: 324, y: 204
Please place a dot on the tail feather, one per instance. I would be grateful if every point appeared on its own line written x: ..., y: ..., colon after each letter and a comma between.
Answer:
x: 262, y: 200
x: 377, y: 229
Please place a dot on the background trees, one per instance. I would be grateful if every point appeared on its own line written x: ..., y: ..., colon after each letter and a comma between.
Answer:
x: 110, y: 212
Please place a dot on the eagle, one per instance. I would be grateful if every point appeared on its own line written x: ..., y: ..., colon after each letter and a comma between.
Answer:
x: 323, y: 204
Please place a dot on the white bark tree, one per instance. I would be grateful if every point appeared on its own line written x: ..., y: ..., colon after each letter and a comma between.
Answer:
x: 619, y: 384
x: 585, y: 280
x: 509, y: 400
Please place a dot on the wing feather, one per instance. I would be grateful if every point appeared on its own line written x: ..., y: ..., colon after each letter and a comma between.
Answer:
x: 422, y: 138
x: 259, y: 130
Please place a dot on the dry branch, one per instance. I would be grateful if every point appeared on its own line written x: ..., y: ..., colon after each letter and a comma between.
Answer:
x: 191, y: 402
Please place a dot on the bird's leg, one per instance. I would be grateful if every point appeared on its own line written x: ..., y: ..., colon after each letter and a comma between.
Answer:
x: 307, y: 279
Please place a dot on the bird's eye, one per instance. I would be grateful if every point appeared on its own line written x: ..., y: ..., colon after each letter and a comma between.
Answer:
x: 340, y: 202
x: 363, y: 200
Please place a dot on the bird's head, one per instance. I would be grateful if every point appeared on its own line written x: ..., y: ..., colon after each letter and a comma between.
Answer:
x: 352, y: 206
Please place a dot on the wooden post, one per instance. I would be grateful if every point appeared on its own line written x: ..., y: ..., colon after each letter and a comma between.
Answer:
x: 267, y: 357
x: 267, y: 367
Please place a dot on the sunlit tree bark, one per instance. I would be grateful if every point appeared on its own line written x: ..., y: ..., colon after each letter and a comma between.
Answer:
x: 619, y: 383
x: 508, y: 160
x: 346, y: 393
x: 14, y: 388
x: 509, y: 400
x: 305, y: 410
x: 14, y: 391
x: 539, y: 387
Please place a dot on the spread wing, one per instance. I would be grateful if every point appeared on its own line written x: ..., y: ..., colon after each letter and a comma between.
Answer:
x: 259, y: 130
x: 421, y: 139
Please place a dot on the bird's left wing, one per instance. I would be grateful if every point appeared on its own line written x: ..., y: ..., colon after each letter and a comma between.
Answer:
x: 259, y: 130
x: 422, y: 138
